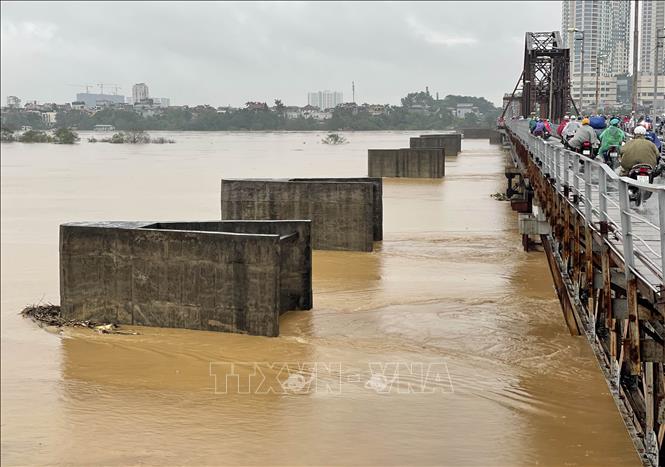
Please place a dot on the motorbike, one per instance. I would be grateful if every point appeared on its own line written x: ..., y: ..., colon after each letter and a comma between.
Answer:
x: 642, y: 173
x: 612, y: 156
x: 586, y: 149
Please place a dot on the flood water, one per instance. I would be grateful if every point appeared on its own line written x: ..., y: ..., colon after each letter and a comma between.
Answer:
x: 449, y: 288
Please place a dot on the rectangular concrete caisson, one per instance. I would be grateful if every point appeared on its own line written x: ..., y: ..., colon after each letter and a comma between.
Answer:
x: 346, y: 213
x: 413, y: 163
x: 234, y: 276
x: 450, y: 142
x: 482, y: 133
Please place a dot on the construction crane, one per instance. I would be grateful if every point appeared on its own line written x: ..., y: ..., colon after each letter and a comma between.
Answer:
x: 113, y: 85
x: 86, y: 86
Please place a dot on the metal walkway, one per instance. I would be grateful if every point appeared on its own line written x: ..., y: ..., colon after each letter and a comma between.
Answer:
x: 607, y: 260
x: 638, y: 234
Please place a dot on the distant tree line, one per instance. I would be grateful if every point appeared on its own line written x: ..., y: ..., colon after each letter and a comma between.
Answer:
x: 419, y: 111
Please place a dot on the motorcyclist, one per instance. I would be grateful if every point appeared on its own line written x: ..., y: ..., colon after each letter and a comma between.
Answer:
x: 598, y: 123
x: 583, y: 134
x: 562, y: 125
x: 548, y: 127
x: 571, y: 127
x: 638, y: 151
x: 611, y: 136
x: 532, y: 122
x: 652, y: 136
x: 539, y: 129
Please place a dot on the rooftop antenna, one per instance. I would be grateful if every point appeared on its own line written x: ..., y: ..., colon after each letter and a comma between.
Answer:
x: 353, y: 91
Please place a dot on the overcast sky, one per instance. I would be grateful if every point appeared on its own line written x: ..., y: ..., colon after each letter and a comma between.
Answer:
x: 229, y: 53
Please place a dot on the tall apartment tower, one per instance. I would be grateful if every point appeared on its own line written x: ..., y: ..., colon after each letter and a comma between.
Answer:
x: 325, y: 99
x: 652, y: 22
x: 606, y: 34
x: 606, y: 27
x: 139, y: 92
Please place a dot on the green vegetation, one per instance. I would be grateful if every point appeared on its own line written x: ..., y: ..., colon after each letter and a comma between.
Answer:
x: 35, y: 136
x: 131, y: 137
x: 334, y: 138
x: 65, y: 136
x: 61, y: 136
x: 419, y: 111
x: 7, y: 135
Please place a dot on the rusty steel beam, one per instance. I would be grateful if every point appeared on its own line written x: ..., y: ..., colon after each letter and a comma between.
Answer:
x: 620, y: 315
x: 546, y: 75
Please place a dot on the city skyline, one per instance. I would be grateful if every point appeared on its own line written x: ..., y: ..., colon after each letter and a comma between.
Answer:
x: 652, y: 22
x: 280, y: 50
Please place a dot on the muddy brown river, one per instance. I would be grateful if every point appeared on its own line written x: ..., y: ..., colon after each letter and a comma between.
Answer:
x: 445, y: 346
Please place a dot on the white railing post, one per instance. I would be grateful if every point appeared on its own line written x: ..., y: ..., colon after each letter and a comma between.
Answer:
x: 576, y: 178
x: 588, y: 213
x: 557, y: 166
x: 661, y: 216
x: 566, y: 167
x: 602, y: 195
x: 626, y: 233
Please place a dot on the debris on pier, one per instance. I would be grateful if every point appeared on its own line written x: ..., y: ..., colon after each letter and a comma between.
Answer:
x: 500, y: 196
x: 49, y: 315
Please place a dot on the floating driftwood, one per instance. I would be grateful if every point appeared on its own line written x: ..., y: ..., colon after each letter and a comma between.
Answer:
x: 500, y: 196
x: 49, y: 315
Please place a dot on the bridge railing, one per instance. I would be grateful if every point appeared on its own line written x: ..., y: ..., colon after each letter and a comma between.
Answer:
x: 604, y: 196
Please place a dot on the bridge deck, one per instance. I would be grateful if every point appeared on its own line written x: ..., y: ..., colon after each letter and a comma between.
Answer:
x: 645, y: 222
x: 598, y: 234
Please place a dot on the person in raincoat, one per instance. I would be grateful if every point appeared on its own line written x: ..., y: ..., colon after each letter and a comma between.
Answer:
x: 611, y: 136
x: 562, y: 125
x: 571, y: 127
x: 638, y: 151
x: 583, y: 134
x: 539, y: 129
x: 532, y: 122
x: 598, y: 123
x: 652, y: 136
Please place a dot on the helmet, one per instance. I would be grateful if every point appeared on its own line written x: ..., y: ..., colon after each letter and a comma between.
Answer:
x: 640, y: 130
x: 573, y: 117
x: 566, y: 117
x: 585, y: 121
x: 614, y: 122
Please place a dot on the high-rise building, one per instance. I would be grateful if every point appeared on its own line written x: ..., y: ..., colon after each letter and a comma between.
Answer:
x: 604, y: 27
x: 139, y: 92
x: 652, y: 22
x: 13, y: 102
x: 325, y: 99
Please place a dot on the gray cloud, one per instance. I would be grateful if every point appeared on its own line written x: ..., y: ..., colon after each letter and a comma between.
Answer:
x: 229, y: 53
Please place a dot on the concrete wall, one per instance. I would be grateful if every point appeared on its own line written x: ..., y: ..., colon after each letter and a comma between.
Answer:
x: 450, y: 142
x: 415, y: 163
x: 482, y: 133
x: 217, y: 276
x: 495, y: 137
x: 346, y: 214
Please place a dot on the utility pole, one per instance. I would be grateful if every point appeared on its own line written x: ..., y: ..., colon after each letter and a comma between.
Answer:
x: 353, y: 91
x: 656, y: 54
x: 573, y: 31
x: 635, y: 52
x: 582, y: 76
x: 599, y: 58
